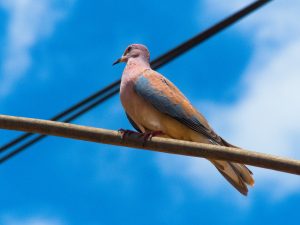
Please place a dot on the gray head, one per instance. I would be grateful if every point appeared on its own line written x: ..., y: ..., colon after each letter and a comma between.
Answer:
x: 134, y: 51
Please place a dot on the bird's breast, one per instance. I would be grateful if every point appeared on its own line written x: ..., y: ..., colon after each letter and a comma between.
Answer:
x: 148, y: 117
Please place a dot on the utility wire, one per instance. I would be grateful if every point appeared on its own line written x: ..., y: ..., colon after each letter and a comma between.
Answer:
x: 173, y: 146
x: 69, y: 119
x: 59, y: 116
x: 157, y: 63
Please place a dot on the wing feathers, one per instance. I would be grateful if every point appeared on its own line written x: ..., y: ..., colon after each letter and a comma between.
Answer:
x: 166, y: 98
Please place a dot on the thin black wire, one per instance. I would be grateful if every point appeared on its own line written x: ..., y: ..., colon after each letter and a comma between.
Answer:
x: 171, y: 55
x: 64, y: 113
x: 157, y: 63
x: 69, y: 119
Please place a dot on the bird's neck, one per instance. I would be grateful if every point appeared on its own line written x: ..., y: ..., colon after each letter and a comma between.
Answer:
x: 134, y: 68
x: 136, y: 65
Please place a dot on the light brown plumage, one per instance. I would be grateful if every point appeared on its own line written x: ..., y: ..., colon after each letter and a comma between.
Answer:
x: 155, y: 104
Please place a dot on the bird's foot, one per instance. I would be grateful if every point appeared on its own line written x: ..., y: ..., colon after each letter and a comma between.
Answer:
x: 124, y: 133
x: 149, y: 135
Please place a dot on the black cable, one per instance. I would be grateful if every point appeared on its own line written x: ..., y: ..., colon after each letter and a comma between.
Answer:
x: 69, y: 119
x: 63, y: 114
x: 184, y: 47
x: 157, y: 63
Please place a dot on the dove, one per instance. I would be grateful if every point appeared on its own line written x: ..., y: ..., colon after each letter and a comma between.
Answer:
x: 156, y: 107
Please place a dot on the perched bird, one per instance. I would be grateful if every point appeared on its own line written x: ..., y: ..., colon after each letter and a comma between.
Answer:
x: 156, y: 107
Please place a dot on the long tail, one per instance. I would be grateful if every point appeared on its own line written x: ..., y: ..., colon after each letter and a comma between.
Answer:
x: 237, y: 174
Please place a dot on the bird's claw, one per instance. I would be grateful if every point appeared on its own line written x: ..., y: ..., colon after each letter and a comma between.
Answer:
x: 124, y: 133
x: 149, y: 135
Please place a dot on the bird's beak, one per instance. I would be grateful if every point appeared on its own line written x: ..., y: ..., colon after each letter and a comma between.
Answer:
x: 122, y: 59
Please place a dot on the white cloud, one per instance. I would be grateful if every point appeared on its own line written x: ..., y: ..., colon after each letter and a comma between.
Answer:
x: 29, y: 21
x: 275, y: 22
x: 8, y: 220
x: 266, y: 116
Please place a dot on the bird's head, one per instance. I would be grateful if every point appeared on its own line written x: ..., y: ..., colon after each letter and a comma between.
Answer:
x: 134, y: 51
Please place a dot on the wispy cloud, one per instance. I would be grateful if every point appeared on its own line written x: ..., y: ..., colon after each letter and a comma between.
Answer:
x: 37, y: 220
x: 29, y: 21
x: 266, y: 115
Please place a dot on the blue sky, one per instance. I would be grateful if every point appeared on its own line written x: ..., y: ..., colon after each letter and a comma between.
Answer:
x: 245, y: 80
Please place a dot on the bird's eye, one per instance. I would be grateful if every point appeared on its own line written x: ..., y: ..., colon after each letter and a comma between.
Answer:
x: 129, y: 49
